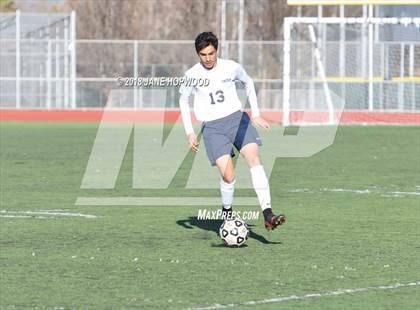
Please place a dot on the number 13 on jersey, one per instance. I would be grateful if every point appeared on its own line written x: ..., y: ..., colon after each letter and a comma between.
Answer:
x: 218, y: 95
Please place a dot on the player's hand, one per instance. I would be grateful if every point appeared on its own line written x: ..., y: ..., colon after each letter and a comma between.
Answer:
x: 261, y: 123
x: 193, y: 142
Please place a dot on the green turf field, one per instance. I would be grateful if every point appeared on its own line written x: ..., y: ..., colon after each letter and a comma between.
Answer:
x: 142, y: 257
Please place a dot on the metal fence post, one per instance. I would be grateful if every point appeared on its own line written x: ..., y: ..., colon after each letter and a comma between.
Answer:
x: 136, y: 74
x: 73, y: 58
x: 286, y: 72
x: 18, y: 29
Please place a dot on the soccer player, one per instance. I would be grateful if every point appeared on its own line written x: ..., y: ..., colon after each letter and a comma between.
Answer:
x: 224, y: 125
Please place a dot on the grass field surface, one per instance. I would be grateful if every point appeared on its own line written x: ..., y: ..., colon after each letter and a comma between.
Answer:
x: 353, y: 223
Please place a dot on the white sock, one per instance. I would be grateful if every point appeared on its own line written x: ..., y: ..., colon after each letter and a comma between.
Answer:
x: 261, y: 186
x: 226, y: 192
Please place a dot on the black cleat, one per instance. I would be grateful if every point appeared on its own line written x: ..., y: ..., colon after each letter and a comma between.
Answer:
x: 272, y: 221
x: 227, y: 213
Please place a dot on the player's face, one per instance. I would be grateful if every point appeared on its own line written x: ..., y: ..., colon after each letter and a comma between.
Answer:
x: 208, y: 57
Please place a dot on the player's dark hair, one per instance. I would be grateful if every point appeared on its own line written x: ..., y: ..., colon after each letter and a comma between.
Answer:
x: 205, y: 39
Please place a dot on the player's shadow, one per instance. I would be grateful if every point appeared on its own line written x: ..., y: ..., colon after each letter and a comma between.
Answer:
x: 214, y: 225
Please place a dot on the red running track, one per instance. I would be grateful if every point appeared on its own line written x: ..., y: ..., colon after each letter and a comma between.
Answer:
x: 171, y: 116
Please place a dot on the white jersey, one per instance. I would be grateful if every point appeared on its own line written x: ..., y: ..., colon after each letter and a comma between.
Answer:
x: 218, y: 97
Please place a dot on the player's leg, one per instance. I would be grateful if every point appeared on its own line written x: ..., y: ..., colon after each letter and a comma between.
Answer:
x: 219, y: 151
x: 258, y: 176
x: 261, y: 185
x: 225, y: 165
x: 227, y: 183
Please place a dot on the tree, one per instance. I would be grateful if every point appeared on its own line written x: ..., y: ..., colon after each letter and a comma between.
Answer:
x: 7, y: 6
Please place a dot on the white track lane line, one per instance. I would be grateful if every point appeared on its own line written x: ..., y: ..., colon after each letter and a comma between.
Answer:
x: 43, y: 214
x: 307, y: 296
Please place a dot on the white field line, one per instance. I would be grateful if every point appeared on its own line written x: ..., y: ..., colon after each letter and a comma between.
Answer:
x: 211, y: 201
x: 400, y: 194
x: 354, y: 191
x: 301, y: 190
x: 307, y: 296
x: 160, y: 201
x: 406, y: 193
x: 22, y: 216
x: 334, y: 190
x: 43, y: 214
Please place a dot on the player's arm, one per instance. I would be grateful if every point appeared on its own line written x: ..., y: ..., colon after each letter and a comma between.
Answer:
x: 242, y: 76
x: 184, y: 106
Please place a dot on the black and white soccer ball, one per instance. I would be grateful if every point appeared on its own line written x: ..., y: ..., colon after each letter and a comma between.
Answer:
x: 234, y: 232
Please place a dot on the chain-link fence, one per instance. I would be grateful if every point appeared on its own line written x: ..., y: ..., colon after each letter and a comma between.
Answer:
x: 43, y: 66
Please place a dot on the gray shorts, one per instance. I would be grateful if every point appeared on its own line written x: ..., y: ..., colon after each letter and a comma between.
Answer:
x: 222, y: 134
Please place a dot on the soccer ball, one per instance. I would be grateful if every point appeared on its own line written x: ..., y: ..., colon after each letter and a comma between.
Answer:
x: 234, y: 232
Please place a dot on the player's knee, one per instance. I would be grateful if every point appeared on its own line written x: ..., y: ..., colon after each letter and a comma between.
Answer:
x: 228, y: 177
x: 254, y: 161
